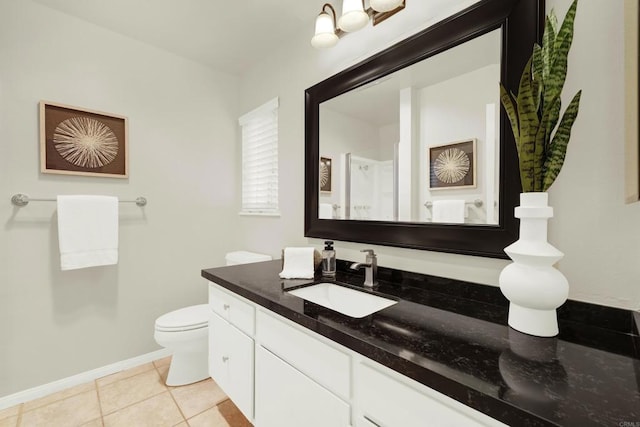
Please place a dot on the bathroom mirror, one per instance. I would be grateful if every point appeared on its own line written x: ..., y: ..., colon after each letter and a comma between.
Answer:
x: 375, y: 175
x: 389, y: 150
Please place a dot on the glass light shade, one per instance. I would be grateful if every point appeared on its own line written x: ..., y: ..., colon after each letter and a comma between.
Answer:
x: 353, y: 16
x: 325, y: 32
x: 384, y: 5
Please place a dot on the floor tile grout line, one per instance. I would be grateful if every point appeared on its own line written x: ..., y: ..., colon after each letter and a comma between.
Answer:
x: 139, y: 401
x: 99, y: 400
x: 184, y: 418
x: 135, y: 403
x: 20, y: 411
x: 54, y: 401
x: 209, y: 408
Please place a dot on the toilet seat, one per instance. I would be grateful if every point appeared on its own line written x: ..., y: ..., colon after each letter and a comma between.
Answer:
x: 184, y: 319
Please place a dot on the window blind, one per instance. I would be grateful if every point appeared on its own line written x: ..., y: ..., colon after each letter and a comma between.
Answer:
x: 260, y: 160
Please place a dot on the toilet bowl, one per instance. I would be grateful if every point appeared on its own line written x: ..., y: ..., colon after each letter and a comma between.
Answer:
x: 186, y: 333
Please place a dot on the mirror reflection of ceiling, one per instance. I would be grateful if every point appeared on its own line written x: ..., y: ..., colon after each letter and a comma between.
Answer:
x: 377, y: 102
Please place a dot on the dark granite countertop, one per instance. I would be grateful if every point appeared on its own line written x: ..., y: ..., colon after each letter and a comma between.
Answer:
x: 453, y: 336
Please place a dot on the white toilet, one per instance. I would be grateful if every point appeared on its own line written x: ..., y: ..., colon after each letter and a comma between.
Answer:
x: 186, y: 333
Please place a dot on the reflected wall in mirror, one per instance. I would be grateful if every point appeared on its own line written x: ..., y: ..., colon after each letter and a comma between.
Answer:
x: 382, y: 135
x: 379, y: 120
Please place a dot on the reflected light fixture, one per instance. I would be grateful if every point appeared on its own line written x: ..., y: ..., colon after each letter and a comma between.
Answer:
x: 354, y: 17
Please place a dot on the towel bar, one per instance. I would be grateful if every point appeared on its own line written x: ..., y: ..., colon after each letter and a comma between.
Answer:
x: 23, y: 200
x: 477, y: 203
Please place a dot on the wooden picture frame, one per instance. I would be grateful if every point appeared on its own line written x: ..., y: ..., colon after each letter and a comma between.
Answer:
x: 79, y: 141
x: 325, y: 174
x: 452, y: 166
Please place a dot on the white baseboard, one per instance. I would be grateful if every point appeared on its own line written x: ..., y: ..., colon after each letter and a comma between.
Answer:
x: 84, y: 377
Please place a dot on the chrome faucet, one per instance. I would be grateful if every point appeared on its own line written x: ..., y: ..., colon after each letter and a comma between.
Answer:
x: 370, y: 268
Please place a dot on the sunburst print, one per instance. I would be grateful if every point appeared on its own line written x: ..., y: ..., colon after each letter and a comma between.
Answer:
x: 324, y: 174
x: 85, y: 142
x: 451, y: 166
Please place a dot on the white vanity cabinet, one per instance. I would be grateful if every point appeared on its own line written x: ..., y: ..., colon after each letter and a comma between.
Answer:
x: 231, y: 347
x: 300, y: 378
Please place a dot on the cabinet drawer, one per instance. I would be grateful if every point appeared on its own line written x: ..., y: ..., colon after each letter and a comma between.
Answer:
x: 232, y: 308
x: 374, y: 390
x: 324, y: 364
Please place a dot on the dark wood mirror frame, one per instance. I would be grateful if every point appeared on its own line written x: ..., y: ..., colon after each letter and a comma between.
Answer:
x: 521, y: 22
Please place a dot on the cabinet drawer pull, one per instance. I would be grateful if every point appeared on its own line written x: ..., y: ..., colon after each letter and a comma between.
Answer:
x: 224, y: 359
x: 226, y: 306
x: 371, y: 421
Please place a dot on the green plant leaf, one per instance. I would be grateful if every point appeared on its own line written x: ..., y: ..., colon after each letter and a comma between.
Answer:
x: 553, y: 115
x: 548, y: 121
x: 512, y: 113
x: 548, y: 40
x: 558, y: 147
x: 530, y: 173
x: 537, y: 72
x: 561, y: 46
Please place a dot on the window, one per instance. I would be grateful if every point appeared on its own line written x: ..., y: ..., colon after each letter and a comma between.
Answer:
x: 260, y: 160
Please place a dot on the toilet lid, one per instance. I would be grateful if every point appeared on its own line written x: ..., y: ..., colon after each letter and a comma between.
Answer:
x: 193, y: 317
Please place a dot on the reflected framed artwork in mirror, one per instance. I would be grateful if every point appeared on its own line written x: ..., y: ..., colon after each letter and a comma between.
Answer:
x: 379, y: 119
x: 325, y: 175
x: 453, y: 166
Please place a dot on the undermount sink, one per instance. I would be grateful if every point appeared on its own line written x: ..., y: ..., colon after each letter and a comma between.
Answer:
x: 342, y: 299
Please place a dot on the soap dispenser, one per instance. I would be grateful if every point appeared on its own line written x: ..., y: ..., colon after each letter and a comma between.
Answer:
x: 328, y: 260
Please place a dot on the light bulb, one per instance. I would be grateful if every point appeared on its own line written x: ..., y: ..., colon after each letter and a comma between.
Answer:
x: 325, y: 35
x: 353, y: 16
x: 384, y: 5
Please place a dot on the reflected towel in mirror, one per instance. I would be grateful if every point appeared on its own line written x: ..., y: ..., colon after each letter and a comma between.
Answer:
x: 448, y: 211
x: 325, y: 211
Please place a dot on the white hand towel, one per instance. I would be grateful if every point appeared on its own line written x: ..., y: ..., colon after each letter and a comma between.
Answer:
x: 298, y: 263
x: 448, y: 211
x: 325, y: 211
x: 87, y: 231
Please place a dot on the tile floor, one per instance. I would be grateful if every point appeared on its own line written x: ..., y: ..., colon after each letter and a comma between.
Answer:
x: 135, y: 397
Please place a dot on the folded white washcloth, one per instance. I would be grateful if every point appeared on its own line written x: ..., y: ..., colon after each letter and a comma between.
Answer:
x: 448, y: 211
x: 87, y: 231
x: 298, y: 263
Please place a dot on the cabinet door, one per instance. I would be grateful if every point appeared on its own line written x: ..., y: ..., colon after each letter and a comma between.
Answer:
x: 231, y: 362
x: 287, y: 398
x: 217, y: 344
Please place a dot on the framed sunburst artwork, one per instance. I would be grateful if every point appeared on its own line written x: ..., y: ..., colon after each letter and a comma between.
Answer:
x: 77, y: 141
x: 325, y: 174
x: 453, y: 165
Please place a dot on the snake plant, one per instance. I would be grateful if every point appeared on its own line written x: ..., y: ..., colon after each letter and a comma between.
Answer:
x: 534, y: 112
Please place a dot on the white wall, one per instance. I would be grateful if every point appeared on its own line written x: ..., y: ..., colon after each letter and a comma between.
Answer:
x: 599, y: 234
x: 464, y: 98
x: 343, y: 134
x: 182, y: 120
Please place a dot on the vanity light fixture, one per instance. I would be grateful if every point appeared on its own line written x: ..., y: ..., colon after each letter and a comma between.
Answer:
x: 354, y: 17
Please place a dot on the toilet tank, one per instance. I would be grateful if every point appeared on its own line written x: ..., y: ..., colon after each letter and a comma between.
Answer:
x: 244, y: 257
